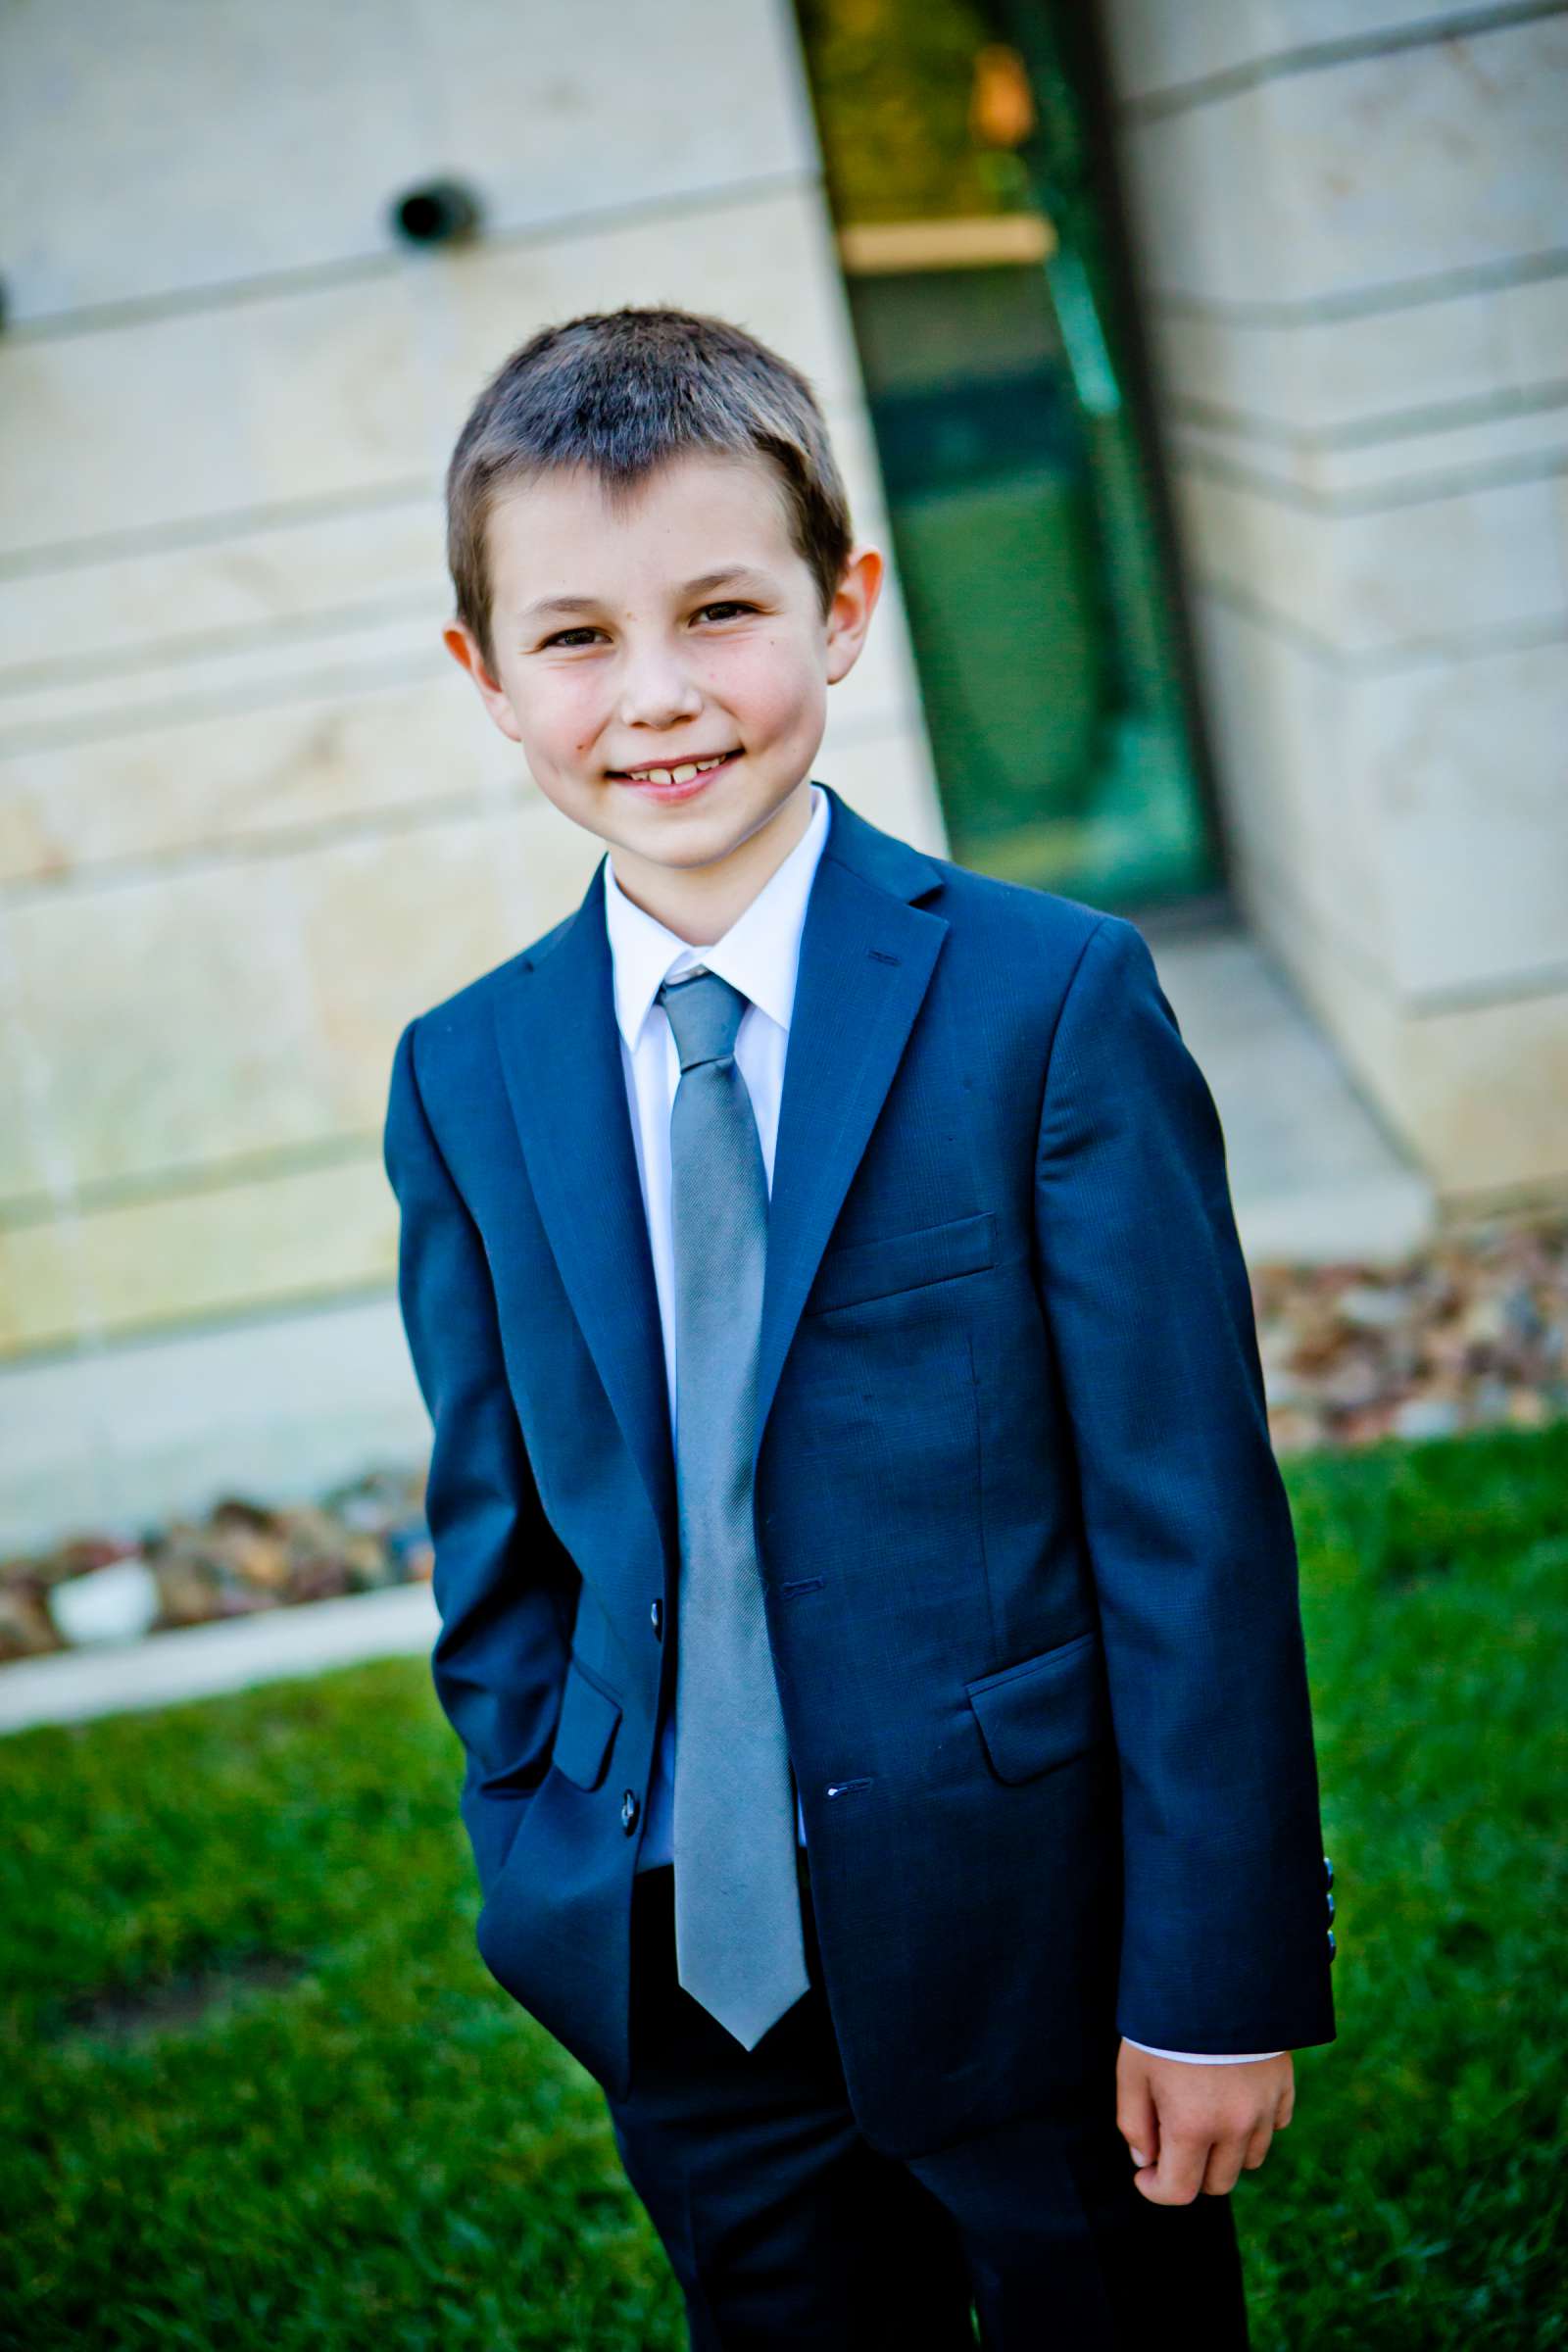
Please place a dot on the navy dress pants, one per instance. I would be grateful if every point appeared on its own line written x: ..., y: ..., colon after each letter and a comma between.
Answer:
x: 785, y: 2228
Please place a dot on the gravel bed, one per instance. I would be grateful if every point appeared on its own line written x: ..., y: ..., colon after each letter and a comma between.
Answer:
x: 1468, y: 1333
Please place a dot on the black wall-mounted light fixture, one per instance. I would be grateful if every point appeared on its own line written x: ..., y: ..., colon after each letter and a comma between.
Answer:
x: 438, y: 211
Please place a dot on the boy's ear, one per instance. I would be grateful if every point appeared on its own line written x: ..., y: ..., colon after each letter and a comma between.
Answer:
x: 854, y: 602
x: 463, y: 647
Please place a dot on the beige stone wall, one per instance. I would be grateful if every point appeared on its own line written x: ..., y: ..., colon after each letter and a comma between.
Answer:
x: 1351, y: 221
x: 250, y: 816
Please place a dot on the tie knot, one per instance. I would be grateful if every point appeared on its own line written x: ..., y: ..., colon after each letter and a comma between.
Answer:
x: 704, y: 1013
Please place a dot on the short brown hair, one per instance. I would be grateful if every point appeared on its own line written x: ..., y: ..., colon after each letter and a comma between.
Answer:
x: 622, y: 392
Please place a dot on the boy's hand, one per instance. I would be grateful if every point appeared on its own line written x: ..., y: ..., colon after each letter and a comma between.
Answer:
x: 1192, y: 2127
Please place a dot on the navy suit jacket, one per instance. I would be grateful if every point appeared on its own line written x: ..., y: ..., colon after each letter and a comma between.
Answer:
x: 1029, y: 1568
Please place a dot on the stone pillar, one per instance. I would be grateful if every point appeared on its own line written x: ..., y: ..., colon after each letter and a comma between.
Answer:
x: 1351, y: 232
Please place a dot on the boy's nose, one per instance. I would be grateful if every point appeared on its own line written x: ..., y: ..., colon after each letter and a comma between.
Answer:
x: 656, y: 691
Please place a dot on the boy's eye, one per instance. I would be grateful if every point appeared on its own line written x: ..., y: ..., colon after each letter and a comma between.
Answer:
x: 586, y: 629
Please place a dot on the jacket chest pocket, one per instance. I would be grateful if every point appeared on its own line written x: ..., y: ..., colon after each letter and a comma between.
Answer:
x: 902, y: 1262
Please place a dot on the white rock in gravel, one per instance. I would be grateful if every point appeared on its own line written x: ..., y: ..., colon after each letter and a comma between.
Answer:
x: 1427, y: 1417
x: 117, y: 1604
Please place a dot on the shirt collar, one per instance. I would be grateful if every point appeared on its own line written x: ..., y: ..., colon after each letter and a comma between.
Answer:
x: 758, y: 953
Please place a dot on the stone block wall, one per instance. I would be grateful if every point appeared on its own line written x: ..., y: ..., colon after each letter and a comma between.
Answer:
x: 251, y: 817
x: 1351, y: 228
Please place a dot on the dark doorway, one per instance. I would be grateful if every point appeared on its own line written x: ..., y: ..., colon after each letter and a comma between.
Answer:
x: 963, y: 149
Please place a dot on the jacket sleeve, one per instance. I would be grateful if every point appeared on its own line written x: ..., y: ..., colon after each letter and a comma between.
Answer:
x: 1225, y: 1944
x: 504, y: 1585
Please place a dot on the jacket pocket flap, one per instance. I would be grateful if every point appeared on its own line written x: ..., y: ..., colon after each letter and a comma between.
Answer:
x: 584, y: 1730
x: 902, y: 1262
x: 1042, y: 1711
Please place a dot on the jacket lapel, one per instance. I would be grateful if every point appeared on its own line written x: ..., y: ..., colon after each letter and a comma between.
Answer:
x: 866, y: 959
x: 560, y: 1056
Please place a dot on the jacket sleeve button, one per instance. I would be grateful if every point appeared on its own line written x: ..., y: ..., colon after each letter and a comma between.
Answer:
x: 1329, y: 1899
x: 1333, y: 1948
x: 655, y: 1618
x: 628, y: 1811
x: 1328, y: 1872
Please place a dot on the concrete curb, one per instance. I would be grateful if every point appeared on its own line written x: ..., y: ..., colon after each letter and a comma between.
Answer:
x: 74, y: 1686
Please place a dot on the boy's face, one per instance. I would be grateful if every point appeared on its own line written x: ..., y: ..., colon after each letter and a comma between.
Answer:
x: 683, y: 628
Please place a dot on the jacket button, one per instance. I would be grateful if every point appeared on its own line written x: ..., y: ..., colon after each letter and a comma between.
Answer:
x: 1328, y: 1872
x: 655, y: 1618
x: 628, y: 1811
x: 1329, y: 1899
x: 1332, y: 1946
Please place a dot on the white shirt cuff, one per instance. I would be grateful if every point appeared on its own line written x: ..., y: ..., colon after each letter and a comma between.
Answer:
x: 1199, y: 2057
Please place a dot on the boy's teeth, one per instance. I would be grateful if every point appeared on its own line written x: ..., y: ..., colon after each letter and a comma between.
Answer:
x: 678, y: 775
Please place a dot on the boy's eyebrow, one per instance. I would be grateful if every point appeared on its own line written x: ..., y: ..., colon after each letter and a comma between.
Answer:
x: 728, y: 576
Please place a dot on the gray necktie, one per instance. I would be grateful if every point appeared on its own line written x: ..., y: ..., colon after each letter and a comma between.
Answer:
x: 739, y: 1944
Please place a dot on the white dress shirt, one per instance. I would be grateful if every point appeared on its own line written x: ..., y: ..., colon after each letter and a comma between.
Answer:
x: 760, y: 955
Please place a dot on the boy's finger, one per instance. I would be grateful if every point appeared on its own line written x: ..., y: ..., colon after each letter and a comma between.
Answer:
x: 1177, y: 2177
x: 1257, y: 2147
x: 1224, y: 2167
x: 1286, y: 2108
x: 1137, y: 2122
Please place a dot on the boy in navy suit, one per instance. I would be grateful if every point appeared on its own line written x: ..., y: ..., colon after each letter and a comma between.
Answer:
x: 868, y: 1597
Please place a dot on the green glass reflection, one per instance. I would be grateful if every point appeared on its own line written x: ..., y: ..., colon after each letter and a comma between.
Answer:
x: 1022, y: 507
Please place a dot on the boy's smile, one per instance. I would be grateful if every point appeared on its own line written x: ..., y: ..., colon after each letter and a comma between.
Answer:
x: 664, y: 662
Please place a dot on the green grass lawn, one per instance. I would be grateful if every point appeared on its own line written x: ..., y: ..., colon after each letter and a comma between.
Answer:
x: 258, y: 2089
